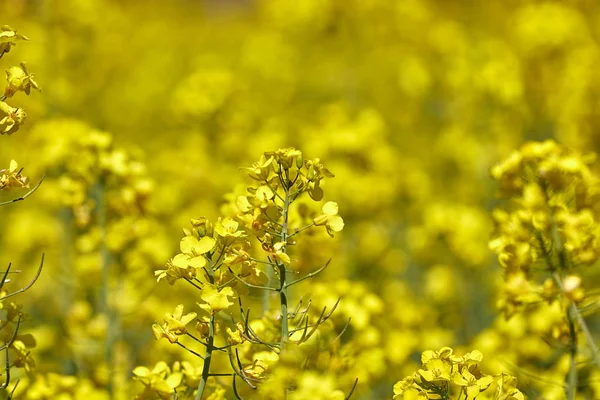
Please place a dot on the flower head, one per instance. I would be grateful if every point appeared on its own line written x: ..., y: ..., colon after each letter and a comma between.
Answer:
x: 11, y: 118
x: 330, y: 218
x: 8, y: 38
x: 19, y: 80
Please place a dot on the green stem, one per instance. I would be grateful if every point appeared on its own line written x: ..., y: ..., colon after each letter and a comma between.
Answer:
x: 283, y: 290
x: 210, y: 343
x: 207, y: 358
x: 572, y: 376
x: 571, y: 379
x: 588, y: 336
x: 105, y: 289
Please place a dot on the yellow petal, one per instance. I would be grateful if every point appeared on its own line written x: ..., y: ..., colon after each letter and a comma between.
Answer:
x: 174, y: 380
x: 330, y: 208
x: 205, y: 245
x: 197, y: 262
x: 180, y: 261
x: 187, y: 244
x: 216, y: 300
x: 336, y: 223
x: 13, y: 166
x: 141, y: 371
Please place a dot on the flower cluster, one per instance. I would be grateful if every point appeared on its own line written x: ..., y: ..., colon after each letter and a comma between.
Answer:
x: 18, y: 80
x: 16, y: 345
x: 221, y: 260
x: 553, y: 221
x: 163, y: 382
x: 444, y: 375
x: 412, y: 267
x: 546, y: 238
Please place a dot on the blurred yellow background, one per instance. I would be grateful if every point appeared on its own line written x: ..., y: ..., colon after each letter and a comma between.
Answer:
x: 409, y: 103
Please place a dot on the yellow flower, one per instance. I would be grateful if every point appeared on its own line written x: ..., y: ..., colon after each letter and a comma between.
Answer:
x: 216, y: 300
x: 261, y: 361
x: 330, y: 218
x: 192, y: 374
x: 436, y: 370
x: 262, y: 196
x: 408, y: 389
x: 187, y: 263
x: 261, y: 170
x: 473, y: 385
x: 12, y: 177
x: 182, y: 266
x: 177, y: 321
x: 174, y: 325
x: 316, y: 170
x: 279, y: 254
x: 19, y: 80
x: 22, y: 358
x: 228, y: 228
x: 507, y: 388
x: 445, y: 353
x: 8, y: 38
x: 11, y: 118
x: 193, y: 246
x: 286, y: 157
x: 235, y: 336
x: 160, y: 380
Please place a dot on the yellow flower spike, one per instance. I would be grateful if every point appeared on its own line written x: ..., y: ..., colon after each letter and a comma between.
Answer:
x: 216, y: 300
x: 19, y: 80
x: 191, y: 245
x: 11, y: 118
x: 8, y: 38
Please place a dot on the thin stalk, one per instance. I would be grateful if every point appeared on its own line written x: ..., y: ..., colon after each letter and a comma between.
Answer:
x: 207, y: 358
x: 588, y: 336
x: 572, y: 376
x: 283, y: 287
x: 210, y: 343
x: 105, y: 288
